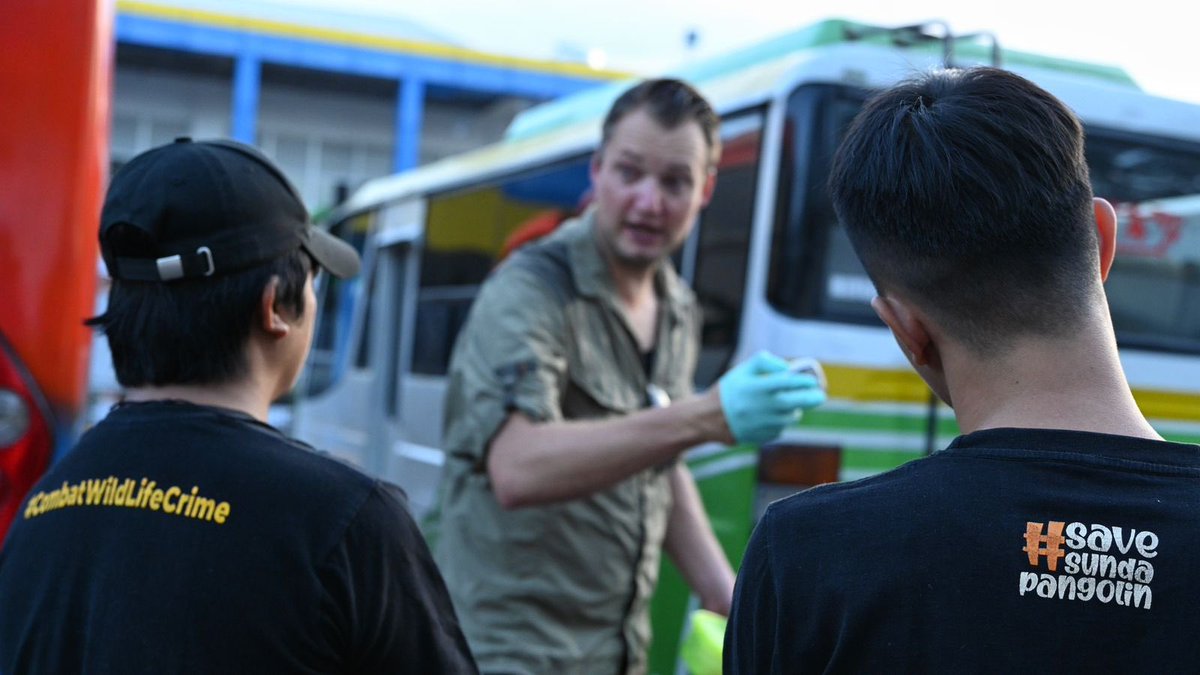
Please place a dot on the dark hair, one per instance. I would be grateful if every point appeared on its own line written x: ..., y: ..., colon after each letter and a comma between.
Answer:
x: 671, y: 103
x: 969, y: 189
x: 193, y: 331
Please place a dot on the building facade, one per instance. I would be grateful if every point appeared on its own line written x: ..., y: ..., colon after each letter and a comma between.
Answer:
x: 334, y: 98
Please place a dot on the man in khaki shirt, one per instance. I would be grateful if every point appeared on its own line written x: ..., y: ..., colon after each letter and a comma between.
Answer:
x: 570, y: 401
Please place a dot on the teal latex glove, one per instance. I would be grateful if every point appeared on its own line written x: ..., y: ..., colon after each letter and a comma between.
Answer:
x: 761, y: 396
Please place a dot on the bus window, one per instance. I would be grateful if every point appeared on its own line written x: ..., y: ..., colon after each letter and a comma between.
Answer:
x: 1154, y: 286
x: 723, y: 243
x: 814, y: 271
x: 465, y: 233
x: 362, y: 355
x: 397, y: 260
x: 335, y: 310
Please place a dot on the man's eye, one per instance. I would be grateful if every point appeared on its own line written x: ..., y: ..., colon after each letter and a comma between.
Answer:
x: 674, y: 184
x: 627, y: 173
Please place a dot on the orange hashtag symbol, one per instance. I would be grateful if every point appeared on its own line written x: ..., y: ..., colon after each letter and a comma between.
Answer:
x: 1053, y: 540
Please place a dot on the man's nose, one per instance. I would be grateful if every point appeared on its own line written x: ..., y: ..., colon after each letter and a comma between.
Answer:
x: 648, y: 195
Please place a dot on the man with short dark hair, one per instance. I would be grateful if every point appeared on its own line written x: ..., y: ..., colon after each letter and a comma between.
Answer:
x: 183, y: 533
x: 570, y: 400
x: 1059, y: 533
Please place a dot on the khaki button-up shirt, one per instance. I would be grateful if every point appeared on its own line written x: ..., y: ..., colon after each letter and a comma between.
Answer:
x: 561, y: 588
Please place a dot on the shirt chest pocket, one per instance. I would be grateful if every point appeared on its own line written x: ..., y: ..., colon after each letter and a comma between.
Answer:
x: 599, y: 377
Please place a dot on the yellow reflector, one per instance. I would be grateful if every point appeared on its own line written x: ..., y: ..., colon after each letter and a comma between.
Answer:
x: 701, y: 649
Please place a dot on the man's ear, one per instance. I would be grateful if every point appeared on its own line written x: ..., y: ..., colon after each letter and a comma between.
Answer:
x: 272, y: 322
x: 1106, y: 229
x: 908, y: 328
x: 710, y: 184
x: 594, y: 165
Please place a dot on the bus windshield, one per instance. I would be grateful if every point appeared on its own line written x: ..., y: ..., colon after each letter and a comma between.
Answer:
x: 1154, y: 184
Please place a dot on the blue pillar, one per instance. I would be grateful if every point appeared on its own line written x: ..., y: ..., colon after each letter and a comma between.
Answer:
x: 410, y: 109
x: 247, y: 82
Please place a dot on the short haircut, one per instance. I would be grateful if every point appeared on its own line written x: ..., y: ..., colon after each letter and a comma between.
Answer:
x: 969, y: 190
x: 193, y: 331
x: 669, y: 102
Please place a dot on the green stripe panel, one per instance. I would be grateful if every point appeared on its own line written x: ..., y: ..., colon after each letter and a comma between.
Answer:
x: 731, y: 451
x: 857, y: 421
x: 862, y: 459
x: 1183, y: 438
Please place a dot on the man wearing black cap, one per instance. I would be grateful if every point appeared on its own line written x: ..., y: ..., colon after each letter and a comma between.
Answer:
x: 183, y: 533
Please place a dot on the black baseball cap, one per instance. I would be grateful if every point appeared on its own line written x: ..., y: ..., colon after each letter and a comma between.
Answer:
x: 209, y: 208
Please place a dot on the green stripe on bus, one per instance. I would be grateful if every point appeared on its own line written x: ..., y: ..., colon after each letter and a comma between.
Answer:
x: 872, y: 459
x: 853, y: 458
x: 1183, y: 438
x: 860, y: 421
x: 729, y: 451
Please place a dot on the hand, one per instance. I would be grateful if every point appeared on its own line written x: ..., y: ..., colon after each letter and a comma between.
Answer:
x: 761, y: 396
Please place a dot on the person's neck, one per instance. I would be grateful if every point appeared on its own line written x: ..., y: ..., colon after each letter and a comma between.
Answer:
x: 1072, y: 382
x: 633, y: 284
x: 243, y: 395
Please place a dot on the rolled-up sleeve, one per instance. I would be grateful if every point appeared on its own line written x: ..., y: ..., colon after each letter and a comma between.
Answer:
x: 511, y: 356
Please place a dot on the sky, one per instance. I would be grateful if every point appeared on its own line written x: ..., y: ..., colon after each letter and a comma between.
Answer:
x: 1154, y: 40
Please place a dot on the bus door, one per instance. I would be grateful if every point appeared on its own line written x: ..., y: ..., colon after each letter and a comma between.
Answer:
x: 338, y: 403
x: 399, y: 435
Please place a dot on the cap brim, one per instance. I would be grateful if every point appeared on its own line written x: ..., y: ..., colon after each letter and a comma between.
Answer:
x: 331, y: 253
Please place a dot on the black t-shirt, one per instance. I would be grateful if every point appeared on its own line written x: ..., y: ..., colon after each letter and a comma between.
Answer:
x: 1011, y: 551
x: 185, y: 539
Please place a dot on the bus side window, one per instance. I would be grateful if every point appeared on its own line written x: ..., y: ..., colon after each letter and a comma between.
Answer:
x: 362, y: 355
x: 466, y: 233
x: 723, y: 244
x: 1153, y: 288
x: 393, y: 308
x: 814, y: 269
x: 335, y: 312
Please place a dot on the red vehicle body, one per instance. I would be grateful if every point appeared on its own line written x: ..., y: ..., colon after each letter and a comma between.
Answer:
x: 54, y: 127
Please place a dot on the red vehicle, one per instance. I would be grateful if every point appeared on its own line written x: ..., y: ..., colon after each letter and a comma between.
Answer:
x: 56, y: 79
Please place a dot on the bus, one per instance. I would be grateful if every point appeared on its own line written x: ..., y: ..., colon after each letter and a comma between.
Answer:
x: 768, y: 261
x: 53, y: 164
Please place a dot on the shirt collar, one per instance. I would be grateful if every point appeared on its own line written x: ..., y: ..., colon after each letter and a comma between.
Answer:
x: 592, y: 277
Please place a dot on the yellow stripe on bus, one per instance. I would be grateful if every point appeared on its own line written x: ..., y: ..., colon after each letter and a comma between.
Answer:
x: 883, y: 386
x: 1168, y: 405
x: 905, y: 386
x: 329, y: 35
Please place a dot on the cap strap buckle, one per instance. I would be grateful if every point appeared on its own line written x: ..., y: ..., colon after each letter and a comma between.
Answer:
x: 207, y: 253
x: 171, y: 268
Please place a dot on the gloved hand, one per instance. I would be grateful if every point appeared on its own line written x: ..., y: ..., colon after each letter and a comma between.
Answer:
x: 761, y: 396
